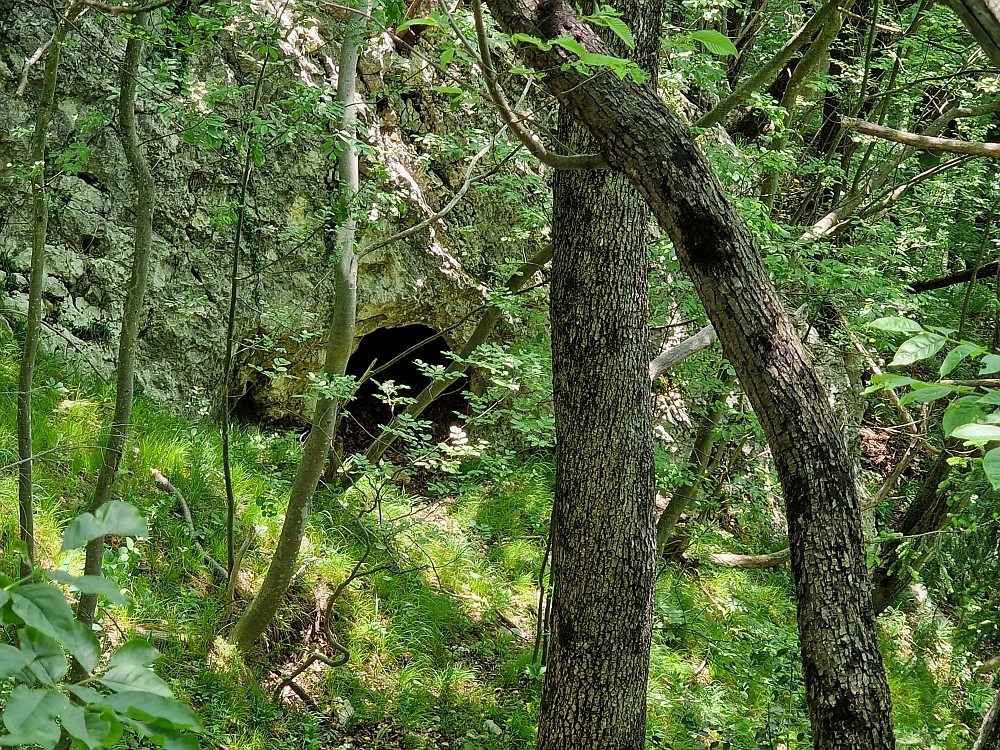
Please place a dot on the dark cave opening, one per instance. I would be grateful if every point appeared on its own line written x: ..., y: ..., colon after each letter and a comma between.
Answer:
x: 367, y: 412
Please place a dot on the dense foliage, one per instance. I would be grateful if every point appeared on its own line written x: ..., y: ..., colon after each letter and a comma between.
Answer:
x: 417, y: 614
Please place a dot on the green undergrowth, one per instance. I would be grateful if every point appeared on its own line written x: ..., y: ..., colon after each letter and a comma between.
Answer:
x: 440, y: 623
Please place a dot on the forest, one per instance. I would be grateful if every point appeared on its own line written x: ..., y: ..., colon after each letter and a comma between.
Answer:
x: 449, y: 374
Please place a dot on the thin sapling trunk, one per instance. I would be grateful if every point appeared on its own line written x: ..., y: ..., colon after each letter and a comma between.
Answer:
x: 40, y: 211
x: 135, y: 298
x: 340, y: 342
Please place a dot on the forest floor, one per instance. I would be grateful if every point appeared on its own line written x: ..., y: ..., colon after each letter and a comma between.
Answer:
x: 441, y: 631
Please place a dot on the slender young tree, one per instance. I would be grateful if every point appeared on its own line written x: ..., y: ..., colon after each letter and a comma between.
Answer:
x: 846, y: 686
x: 603, y: 544
x: 340, y: 343
x: 134, y: 300
x: 40, y: 218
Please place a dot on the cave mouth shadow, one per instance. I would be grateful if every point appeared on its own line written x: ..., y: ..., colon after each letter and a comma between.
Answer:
x: 367, y: 413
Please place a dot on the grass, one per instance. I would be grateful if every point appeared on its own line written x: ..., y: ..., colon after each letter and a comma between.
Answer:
x: 440, y: 634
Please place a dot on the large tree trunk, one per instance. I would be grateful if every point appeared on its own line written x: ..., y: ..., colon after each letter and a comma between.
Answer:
x: 603, y: 551
x: 846, y: 688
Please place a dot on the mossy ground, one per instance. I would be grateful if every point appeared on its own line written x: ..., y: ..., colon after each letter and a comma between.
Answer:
x: 441, y: 637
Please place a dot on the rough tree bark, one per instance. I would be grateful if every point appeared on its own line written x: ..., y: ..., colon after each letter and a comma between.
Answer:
x: 846, y: 687
x: 136, y: 295
x: 40, y: 211
x: 340, y: 343
x: 603, y: 544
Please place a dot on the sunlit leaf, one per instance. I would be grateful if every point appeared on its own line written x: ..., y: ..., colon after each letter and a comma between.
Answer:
x: 978, y: 432
x: 113, y: 517
x: 90, y: 585
x: 921, y: 346
x: 897, y: 324
x: 991, y: 465
x: 956, y: 355
x: 44, y: 608
x: 715, y: 42
x: 926, y: 395
x: 961, y: 411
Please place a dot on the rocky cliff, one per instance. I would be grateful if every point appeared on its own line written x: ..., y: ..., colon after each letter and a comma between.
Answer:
x: 195, y: 99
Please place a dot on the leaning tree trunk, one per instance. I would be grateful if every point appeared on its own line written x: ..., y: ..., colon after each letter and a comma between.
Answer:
x: 125, y: 383
x: 340, y: 343
x: 989, y: 732
x: 603, y: 545
x: 33, y: 327
x: 846, y: 687
x: 930, y: 511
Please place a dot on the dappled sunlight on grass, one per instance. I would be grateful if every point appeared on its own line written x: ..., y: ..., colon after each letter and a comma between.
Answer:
x: 437, y: 617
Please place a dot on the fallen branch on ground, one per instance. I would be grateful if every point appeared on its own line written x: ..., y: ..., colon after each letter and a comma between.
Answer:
x: 163, y: 484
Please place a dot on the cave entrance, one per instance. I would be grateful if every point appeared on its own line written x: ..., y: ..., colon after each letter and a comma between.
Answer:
x: 366, y: 413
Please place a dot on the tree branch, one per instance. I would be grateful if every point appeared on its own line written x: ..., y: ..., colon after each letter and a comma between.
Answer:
x: 770, y: 69
x: 514, y: 121
x: 677, y: 354
x: 924, y: 142
x: 125, y: 9
x: 951, y: 279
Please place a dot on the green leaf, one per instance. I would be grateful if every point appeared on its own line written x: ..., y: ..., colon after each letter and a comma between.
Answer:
x: 124, y: 678
x: 961, y: 411
x: 415, y: 22
x: 31, y: 714
x: 44, y: 608
x: 91, y: 729
x: 620, y: 30
x: 889, y: 381
x: 166, y: 737
x: 956, y: 355
x: 992, y: 398
x: 113, y: 517
x: 84, y: 693
x: 570, y: 44
x: 135, y: 651
x: 716, y: 43
x: 149, y: 708
x: 991, y: 364
x: 926, y: 395
x: 90, y: 585
x: 991, y: 465
x: 897, y: 324
x: 921, y: 346
x: 12, y: 660
x: 48, y: 662
x: 977, y: 432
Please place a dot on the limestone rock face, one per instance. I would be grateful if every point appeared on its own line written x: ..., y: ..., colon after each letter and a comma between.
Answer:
x: 429, y: 278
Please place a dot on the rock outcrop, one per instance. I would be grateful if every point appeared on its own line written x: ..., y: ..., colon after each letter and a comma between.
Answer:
x: 194, y: 104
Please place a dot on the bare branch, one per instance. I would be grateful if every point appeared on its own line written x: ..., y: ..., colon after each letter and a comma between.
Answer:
x: 842, y: 213
x: 514, y: 121
x: 163, y: 484
x: 924, y: 142
x: 676, y: 354
x: 29, y: 63
x: 940, y: 282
